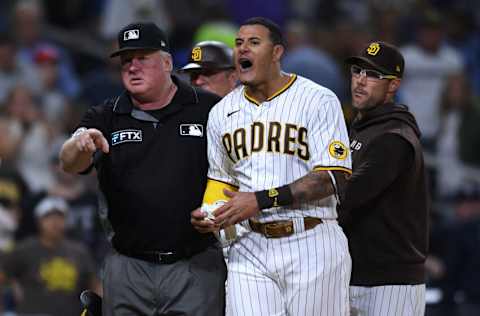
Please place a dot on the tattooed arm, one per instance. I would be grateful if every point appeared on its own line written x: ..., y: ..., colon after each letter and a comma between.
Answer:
x: 316, y: 185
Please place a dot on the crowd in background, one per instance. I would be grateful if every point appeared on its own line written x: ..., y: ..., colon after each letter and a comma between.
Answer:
x: 54, y: 65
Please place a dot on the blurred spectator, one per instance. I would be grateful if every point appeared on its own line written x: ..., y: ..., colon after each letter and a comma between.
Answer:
x: 355, y: 12
x: 14, y: 192
x: 465, y: 36
x: 275, y: 10
x: 471, y: 51
x: 8, y: 224
x: 49, y: 271
x: 435, y: 265
x: 345, y: 39
x: 27, y: 27
x: 5, y: 8
x: 12, y: 70
x: 13, y: 195
x: 464, y: 256
x: 73, y: 14
x: 34, y: 149
x: 102, y: 83
x: 459, y: 135
x: 188, y: 19
x: 117, y: 13
x: 429, y: 62
x: 10, y: 140
x: 222, y: 31
x: 82, y: 222
x: 305, y: 9
x: 54, y: 104
x: 387, y: 23
x: 306, y: 59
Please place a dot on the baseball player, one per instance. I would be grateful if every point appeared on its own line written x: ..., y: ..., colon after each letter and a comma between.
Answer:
x: 278, y: 149
x: 385, y: 210
x: 210, y: 67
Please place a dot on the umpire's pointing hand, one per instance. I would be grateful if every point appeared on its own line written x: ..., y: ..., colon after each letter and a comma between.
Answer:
x: 77, y: 152
x: 90, y: 140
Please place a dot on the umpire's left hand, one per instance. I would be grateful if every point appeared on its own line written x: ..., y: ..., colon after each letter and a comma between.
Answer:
x: 201, y: 223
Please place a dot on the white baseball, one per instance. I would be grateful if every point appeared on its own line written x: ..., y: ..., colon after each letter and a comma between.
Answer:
x: 210, y: 208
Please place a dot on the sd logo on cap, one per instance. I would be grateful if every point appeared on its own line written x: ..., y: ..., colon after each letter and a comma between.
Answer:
x: 381, y: 56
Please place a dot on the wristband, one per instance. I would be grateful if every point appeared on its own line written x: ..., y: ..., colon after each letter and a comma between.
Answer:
x: 275, y: 197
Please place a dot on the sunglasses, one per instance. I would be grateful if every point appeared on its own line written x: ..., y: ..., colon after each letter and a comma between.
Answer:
x: 369, y: 73
x: 204, y: 72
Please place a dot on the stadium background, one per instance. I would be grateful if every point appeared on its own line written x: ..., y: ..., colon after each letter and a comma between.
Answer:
x: 54, y: 65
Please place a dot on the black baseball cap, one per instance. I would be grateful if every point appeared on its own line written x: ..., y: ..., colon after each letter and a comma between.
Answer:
x: 211, y: 55
x: 381, y: 56
x: 141, y: 36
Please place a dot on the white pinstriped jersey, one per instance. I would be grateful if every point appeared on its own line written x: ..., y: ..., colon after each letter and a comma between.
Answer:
x: 260, y: 146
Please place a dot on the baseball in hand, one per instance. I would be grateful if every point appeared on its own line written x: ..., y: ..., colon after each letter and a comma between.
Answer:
x: 210, y: 208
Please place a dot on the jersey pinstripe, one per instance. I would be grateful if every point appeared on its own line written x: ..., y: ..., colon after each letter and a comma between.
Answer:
x: 303, y: 274
x: 394, y: 300
x: 257, y: 147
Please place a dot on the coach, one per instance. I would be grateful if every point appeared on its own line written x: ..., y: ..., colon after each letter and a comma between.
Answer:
x: 148, y: 146
x: 385, y: 209
x: 210, y: 67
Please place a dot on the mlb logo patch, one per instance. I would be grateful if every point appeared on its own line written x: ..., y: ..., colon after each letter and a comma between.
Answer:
x: 126, y: 135
x: 131, y: 35
x: 195, y: 130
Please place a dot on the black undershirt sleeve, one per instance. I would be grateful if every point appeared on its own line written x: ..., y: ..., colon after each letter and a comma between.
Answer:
x: 385, y: 159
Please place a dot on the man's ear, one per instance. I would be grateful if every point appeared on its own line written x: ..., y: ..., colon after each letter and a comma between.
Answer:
x: 278, y: 51
x: 168, y: 62
x: 232, y: 75
x: 394, y: 85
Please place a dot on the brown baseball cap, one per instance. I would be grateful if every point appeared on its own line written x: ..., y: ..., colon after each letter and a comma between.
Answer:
x: 210, y: 54
x: 141, y: 36
x: 381, y: 56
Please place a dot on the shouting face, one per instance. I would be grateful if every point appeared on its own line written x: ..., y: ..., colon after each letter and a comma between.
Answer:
x: 255, y: 54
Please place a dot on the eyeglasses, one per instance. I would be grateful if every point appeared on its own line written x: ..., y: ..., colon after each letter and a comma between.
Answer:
x: 369, y: 73
x: 204, y: 72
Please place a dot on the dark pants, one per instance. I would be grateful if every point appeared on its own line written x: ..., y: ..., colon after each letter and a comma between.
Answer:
x: 193, y: 287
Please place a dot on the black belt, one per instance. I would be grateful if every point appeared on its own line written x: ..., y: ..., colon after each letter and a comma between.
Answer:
x: 157, y: 256
x: 163, y: 257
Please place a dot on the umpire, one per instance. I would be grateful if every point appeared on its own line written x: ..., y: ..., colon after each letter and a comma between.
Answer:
x: 148, y: 146
x: 210, y: 67
x: 385, y: 209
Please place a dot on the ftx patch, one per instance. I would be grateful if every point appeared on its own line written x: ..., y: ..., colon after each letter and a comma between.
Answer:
x: 126, y: 135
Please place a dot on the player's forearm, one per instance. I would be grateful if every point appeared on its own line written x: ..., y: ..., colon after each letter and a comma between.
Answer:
x: 316, y: 185
x: 72, y: 159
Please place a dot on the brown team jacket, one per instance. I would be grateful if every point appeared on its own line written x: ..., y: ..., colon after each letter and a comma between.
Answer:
x: 385, y: 207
